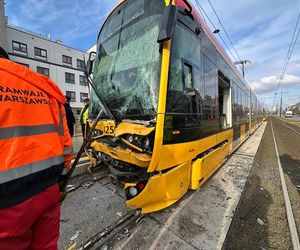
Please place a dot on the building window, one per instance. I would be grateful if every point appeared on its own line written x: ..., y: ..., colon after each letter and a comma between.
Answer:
x: 67, y: 60
x: 43, y: 71
x: 83, y: 96
x: 24, y: 64
x: 70, y: 78
x: 83, y: 80
x: 20, y: 47
x: 40, y: 52
x: 72, y: 95
x: 80, y: 64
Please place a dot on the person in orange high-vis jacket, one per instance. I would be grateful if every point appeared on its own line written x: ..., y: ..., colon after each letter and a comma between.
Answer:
x: 35, y: 154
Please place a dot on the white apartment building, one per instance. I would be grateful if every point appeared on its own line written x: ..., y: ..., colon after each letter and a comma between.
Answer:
x: 63, y: 64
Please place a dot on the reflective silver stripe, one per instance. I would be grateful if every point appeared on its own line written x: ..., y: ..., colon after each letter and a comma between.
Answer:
x: 65, y: 171
x: 68, y: 150
x: 17, y: 131
x: 61, y: 123
x: 30, y: 168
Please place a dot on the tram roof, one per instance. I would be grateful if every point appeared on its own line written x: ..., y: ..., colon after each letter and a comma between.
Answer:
x: 210, y: 35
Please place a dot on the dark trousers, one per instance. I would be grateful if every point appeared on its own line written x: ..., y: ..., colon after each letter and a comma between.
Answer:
x: 71, y: 129
x: 83, y: 130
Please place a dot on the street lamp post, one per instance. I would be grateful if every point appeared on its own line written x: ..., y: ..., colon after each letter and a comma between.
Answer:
x: 243, y: 62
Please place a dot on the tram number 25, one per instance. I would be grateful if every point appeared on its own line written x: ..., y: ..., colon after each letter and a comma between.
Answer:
x: 109, y: 129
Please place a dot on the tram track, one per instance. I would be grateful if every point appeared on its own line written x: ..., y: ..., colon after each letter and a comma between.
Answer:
x: 261, y: 219
x: 113, y: 232
x: 289, y: 211
x: 290, y: 128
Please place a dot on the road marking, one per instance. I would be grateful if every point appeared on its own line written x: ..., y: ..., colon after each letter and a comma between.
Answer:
x: 289, y: 211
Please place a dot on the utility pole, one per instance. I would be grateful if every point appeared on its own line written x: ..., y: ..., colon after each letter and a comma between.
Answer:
x: 243, y: 62
x: 280, y: 105
x: 281, y: 92
x: 250, y: 112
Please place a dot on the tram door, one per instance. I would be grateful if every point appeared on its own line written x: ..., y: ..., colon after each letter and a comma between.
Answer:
x: 225, y: 114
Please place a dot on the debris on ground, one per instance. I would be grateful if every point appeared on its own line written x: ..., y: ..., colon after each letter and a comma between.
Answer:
x: 70, y: 188
x: 115, y: 191
x: 87, y: 185
x: 105, y: 247
x: 259, y: 221
x: 252, y: 211
x: 64, y: 220
x: 72, y: 246
x: 119, y: 214
x: 75, y: 236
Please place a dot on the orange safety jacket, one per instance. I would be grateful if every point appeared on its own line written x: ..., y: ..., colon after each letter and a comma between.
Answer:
x: 35, y: 145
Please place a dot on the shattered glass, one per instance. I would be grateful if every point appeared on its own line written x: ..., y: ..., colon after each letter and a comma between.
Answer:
x: 127, y: 69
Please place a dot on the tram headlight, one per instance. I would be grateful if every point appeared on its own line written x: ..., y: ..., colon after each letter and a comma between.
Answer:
x: 140, y: 141
x: 132, y: 191
x: 130, y: 138
x: 97, y: 132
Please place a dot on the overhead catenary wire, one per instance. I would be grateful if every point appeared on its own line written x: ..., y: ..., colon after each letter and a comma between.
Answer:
x: 292, y: 44
x: 251, y: 82
x: 201, y: 9
x: 208, y: 18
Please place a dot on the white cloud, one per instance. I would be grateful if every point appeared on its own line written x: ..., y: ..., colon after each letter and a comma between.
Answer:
x: 260, y: 30
x: 269, y: 83
x: 75, y: 22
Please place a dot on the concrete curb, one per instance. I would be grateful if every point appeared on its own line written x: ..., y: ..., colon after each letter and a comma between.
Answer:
x: 82, y: 167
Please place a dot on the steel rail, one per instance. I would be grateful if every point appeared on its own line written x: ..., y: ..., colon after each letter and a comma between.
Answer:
x: 287, y: 202
x: 112, y: 230
x: 290, y: 127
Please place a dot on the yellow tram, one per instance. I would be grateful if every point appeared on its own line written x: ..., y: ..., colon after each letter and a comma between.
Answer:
x: 178, y: 105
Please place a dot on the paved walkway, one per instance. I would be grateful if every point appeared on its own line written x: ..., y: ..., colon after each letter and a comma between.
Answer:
x: 77, y: 142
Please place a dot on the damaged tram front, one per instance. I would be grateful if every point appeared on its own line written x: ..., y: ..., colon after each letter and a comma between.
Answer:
x: 128, y: 74
x: 166, y: 94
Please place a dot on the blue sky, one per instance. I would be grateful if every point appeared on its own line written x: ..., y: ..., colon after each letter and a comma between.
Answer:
x: 260, y: 31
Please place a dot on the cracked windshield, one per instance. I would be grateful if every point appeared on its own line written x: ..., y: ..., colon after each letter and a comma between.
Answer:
x: 127, y: 67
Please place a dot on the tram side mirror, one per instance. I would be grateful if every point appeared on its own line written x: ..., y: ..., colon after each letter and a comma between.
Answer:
x: 168, y: 23
x: 90, y: 64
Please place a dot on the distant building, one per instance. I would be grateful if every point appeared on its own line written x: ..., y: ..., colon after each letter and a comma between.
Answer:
x: 63, y: 64
x: 296, y: 108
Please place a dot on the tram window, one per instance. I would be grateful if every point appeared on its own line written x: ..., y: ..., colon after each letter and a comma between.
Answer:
x: 235, y: 104
x: 187, y: 76
x: 211, y: 123
x: 183, y: 100
x: 210, y: 50
x: 245, y: 106
x: 122, y: 17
